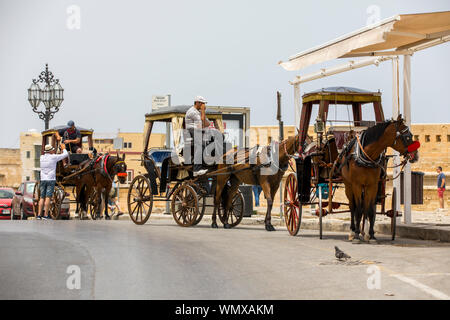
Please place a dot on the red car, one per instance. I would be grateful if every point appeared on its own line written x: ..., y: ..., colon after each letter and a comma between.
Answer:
x: 22, y: 204
x: 6, y: 196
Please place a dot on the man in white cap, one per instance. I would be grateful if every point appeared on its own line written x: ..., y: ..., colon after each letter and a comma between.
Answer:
x: 48, y: 177
x: 196, y: 120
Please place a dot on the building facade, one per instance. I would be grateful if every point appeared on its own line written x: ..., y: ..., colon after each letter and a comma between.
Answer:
x: 10, y: 168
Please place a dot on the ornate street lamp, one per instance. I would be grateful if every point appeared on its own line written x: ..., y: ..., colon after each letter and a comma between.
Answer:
x: 51, y: 95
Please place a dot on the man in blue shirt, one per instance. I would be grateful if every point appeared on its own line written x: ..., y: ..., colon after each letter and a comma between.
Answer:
x: 441, y: 187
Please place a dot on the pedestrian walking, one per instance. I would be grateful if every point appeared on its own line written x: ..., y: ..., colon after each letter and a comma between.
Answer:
x: 48, y: 177
x: 112, y: 201
x: 441, y: 187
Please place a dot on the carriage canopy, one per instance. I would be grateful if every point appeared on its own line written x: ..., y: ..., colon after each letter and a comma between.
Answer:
x: 48, y: 136
x: 339, y: 96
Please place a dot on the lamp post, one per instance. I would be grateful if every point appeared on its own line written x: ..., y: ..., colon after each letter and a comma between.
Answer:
x: 51, y: 95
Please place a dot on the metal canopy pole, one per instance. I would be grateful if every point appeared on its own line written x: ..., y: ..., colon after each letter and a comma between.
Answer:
x: 168, y: 147
x: 395, y: 113
x: 297, y: 105
x: 280, y: 138
x: 407, y: 111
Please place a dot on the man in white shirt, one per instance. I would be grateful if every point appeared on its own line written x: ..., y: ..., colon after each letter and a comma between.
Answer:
x: 196, y: 120
x: 48, y: 177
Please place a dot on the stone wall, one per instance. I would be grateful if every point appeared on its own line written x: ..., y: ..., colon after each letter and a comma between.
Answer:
x: 10, y: 168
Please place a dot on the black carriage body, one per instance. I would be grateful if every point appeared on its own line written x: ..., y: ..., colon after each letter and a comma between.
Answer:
x: 304, y: 167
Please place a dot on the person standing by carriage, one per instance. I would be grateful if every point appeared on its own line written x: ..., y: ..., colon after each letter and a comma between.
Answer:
x: 195, y: 121
x: 48, y: 177
x: 441, y: 187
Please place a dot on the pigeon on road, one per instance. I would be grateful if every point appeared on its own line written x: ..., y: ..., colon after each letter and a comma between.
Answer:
x: 341, y: 254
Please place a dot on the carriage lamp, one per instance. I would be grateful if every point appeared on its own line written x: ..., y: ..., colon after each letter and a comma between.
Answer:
x: 319, y: 126
x: 52, y: 95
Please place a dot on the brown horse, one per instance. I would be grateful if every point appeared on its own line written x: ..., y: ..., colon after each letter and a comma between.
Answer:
x: 260, y: 172
x: 100, y: 177
x: 362, y: 166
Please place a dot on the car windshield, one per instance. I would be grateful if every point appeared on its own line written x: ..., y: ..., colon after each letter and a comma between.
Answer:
x: 6, y: 194
x: 30, y: 187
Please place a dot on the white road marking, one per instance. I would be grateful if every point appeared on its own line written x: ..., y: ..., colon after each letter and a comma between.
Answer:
x: 435, y: 293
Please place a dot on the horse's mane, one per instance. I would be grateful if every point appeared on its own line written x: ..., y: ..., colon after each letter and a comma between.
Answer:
x: 374, y: 133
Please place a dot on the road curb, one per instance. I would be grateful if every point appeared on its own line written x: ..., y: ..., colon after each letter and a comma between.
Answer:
x: 419, y: 231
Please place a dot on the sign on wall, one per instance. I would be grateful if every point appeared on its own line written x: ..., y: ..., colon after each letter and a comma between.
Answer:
x: 118, y: 143
x: 160, y: 102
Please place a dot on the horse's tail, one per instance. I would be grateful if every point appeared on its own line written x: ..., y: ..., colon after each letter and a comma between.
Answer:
x: 363, y: 204
x: 224, y: 197
x: 82, y: 198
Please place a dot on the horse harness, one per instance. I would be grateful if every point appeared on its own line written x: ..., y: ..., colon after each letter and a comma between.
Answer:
x: 362, y: 159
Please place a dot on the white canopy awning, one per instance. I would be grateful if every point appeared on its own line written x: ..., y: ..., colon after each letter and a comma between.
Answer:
x: 398, y: 35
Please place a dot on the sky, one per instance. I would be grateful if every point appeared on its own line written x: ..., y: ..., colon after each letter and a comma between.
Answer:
x: 227, y: 51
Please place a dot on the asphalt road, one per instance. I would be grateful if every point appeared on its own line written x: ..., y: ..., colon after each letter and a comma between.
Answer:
x: 160, y: 260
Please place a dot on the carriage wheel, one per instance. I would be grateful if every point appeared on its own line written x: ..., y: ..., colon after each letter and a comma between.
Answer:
x: 201, y: 209
x: 140, y: 200
x: 201, y: 202
x: 185, y: 205
x: 394, y: 213
x: 235, y: 213
x: 292, y: 206
x: 56, y: 202
x: 36, y: 198
x: 93, y: 205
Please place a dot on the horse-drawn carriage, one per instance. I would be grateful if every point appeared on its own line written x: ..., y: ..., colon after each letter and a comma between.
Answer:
x: 65, y: 168
x: 89, y: 174
x: 169, y: 176
x: 325, y: 161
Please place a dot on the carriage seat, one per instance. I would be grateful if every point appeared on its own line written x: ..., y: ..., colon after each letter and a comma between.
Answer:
x: 77, y: 158
x: 343, y: 134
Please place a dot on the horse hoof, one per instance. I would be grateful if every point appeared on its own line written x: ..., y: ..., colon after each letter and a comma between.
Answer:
x: 373, y: 240
x: 356, y: 239
x: 214, y: 225
x: 107, y: 218
x: 227, y: 226
x: 366, y: 237
x: 351, y: 236
x: 270, y: 227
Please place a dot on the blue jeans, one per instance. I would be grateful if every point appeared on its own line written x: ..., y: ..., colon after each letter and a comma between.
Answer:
x: 256, y: 191
x: 47, y: 187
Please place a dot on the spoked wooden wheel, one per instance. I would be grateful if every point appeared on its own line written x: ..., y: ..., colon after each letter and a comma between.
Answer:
x: 140, y: 200
x: 56, y: 202
x: 201, y: 209
x: 36, y: 198
x: 292, y: 206
x: 93, y: 204
x: 235, y: 213
x: 185, y: 205
x: 394, y: 213
x: 201, y: 194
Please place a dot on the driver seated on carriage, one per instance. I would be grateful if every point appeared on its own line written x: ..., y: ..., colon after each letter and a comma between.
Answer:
x: 196, y: 121
x: 71, y: 138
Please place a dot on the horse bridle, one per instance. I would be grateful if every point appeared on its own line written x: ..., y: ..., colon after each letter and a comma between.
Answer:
x: 297, y: 141
x: 118, y: 169
x: 405, y: 136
